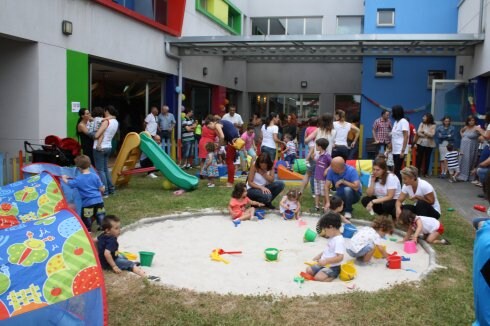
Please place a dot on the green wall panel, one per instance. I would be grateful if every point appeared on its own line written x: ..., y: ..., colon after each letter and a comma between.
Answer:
x: 77, y: 87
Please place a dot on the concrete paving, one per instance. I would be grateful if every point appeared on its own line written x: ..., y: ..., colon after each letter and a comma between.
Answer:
x: 461, y: 196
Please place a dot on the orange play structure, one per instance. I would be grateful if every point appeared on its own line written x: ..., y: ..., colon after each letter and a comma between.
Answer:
x: 284, y: 174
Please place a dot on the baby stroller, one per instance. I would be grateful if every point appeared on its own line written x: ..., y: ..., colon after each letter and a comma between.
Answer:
x: 55, y: 150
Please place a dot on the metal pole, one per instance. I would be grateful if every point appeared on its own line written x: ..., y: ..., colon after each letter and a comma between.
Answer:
x: 147, y: 98
x: 179, y: 100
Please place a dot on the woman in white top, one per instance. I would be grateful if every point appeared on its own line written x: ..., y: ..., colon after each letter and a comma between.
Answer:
x: 325, y: 130
x: 383, y: 190
x: 342, y: 128
x: 420, y: 191
x: 107, y: 130
x: 270, y: 138
x: 261, y: 185
x: 399, y: 138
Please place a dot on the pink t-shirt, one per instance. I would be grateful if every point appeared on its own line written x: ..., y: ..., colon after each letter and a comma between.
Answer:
x: 309, y: 130
x: 238, y: 206
x: 249, y: 139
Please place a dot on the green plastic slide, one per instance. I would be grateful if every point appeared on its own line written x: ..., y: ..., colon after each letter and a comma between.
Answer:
x: 166, y: 165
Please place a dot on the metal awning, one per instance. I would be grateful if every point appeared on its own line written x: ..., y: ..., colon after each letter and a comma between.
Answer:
x: 325, y: 48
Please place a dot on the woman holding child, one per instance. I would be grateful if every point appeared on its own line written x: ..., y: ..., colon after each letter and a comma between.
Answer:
x: 383, y: 190
x: 261, y: 186
x: 107, y: 131
x: 83, y: 133
x: 419, y: 191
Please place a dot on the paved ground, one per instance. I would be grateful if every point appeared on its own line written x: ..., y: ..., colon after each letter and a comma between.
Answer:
x: 462, y: 196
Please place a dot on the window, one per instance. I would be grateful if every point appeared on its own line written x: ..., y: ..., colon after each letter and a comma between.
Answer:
x: 386, y: 17
x: 350, y: 24
x: 384, y: 67
x: 435, y: 74
x: 153, y: 9
x: 287, y: 26
x: 222, y: 12
x: 304, y: 106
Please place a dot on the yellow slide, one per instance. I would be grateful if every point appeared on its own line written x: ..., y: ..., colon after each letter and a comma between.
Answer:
x: 128, y: 155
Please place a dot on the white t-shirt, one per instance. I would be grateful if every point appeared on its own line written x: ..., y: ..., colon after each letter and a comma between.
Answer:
x: 108, y: 134
x: 397, y: 136
x: 429, y: 224
x: 268, y: 136
x: 259, y: 180
x: 342, y: 130
x: 335, y: 246
x: 292, y: 205
x: 151, y: 124
x: 392, y: 182
x: 364, y: 236
x: 236, y: 118
x: 423, y: 188
x: 328, y: 136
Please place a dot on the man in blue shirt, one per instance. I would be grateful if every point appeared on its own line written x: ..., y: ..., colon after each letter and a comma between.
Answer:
x: 346, y: 181
x: 166, y: 124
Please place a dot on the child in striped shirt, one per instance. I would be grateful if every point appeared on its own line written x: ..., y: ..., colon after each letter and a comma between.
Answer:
x: 452, y: 158
x: 290, y: 151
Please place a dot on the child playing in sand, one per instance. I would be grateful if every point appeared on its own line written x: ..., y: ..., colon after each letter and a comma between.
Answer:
x: 290, y: 150
x: 322, y: 164
x: 426, y: 227
x: 290, y: 202
x: 367, y: 239
x: 336, y: 206
x: 210, y: 166
x: 91, y: 189
x: 333, y: 253
x: 239, y: 201
x: 452, y: 158
x: 108, y: 246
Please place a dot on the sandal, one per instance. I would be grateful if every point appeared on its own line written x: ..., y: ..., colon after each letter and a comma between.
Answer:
x: 445, y: 242
x: 153, y: 278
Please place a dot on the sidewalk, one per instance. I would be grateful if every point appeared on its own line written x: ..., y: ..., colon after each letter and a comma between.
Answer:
x: 461, y: 196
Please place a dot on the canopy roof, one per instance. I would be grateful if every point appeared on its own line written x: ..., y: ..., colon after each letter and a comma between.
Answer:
x: 325, y: 48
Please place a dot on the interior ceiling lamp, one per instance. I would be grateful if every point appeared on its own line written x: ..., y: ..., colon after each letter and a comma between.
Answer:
x: 67, y: 27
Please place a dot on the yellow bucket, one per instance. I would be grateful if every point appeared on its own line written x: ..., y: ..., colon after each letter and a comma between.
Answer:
x: 377, y: 254
x: 347, y: 272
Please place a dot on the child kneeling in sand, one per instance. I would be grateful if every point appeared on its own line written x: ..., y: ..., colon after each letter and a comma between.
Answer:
x: 367, y: 239
x: 107, y: 246
x: 239, y: 201
x: 290, y: 202
x: 427, y: 227
x: 328, y: 267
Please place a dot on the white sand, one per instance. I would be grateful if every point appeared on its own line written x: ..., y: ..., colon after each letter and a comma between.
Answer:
x: 182, y: 248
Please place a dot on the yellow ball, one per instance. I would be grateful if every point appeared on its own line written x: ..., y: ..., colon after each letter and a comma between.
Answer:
x: 183, y: 97
x: 167, y: 185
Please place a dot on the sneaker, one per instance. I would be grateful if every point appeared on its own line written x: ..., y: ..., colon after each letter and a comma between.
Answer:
x: 187, y: 166
x: 348, y: 215
x: 105, y: 196
x: 454, y: 179
x: 475, y: 182
x: 451, y: 180
x: 315, y: 210
x: 153, y: 278
x: 211, y: 185
x: 152, y: 176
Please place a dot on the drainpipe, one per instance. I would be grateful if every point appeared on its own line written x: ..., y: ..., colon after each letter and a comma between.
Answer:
x: 480, y: 18
x: 169, y: 54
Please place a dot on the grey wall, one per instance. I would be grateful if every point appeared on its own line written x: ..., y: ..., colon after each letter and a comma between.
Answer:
x: 326, y: 79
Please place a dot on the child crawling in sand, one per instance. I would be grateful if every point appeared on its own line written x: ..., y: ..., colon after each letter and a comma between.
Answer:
x: 239, y: 206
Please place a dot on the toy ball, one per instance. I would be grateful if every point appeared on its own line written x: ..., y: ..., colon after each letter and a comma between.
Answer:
x: 167, y: 185
x: 183, y: 97
x: 178, y: 89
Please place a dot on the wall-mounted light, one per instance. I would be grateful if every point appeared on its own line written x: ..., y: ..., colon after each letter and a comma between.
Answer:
x: 461, y: 70
x: 236, y: 80
x: 205, y: 71
x: 67, y: 27
x: 304, y: 84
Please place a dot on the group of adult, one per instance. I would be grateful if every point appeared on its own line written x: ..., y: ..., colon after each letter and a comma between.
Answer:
x: 97, y: 144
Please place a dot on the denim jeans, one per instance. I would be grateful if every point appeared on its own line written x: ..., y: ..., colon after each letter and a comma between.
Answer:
x: 270, y: 151
x: 187, y: 147
x: 256, y: 194
x: 166, y: 143
x: 349, y: 196
x: 101, y: 158
x: 482, y: 173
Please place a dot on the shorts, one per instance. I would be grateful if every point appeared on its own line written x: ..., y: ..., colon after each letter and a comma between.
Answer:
x: 440, y: 230
x: 91, y: 213
x: 453, y: 170
x: 124, y: 264
x: 443, y: 150
x: 319, y: 187
x: 361, y: 253
x: 332, y: 271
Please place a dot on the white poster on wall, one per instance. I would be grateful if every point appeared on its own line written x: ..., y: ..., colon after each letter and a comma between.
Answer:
x: 75, y: 106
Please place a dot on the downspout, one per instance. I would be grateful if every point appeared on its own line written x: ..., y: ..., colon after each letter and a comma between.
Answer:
x: 480, y: 18
x: 169, y: 54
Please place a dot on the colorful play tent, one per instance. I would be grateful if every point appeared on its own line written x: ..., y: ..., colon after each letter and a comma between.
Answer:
x: 49, y: 270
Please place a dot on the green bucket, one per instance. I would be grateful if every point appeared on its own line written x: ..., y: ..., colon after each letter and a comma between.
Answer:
x: 310, y: 235
x: 299, y: 166
x: 146, y: 258
x: 271, y: 254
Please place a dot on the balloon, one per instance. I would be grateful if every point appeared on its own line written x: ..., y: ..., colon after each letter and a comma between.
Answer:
x: 226, y: 101
x: 178, y: 89
x: 183, y: 97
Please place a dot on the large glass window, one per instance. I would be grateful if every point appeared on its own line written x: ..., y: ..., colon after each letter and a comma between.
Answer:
x: 287, y: 26
x: 350, y: 24
x: 303, y: 106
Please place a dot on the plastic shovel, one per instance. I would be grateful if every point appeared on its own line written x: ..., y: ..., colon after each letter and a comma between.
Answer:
x: 222, y: 252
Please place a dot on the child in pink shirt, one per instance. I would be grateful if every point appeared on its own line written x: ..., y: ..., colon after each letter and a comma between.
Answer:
x: 239, y: 202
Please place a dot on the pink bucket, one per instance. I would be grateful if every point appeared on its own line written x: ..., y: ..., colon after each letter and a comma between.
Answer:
x: 410, y: 247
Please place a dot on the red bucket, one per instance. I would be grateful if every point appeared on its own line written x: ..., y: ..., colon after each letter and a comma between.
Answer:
x: 394, y: 262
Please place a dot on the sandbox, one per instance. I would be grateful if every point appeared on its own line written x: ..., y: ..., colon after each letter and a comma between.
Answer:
x: 183, y: 244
